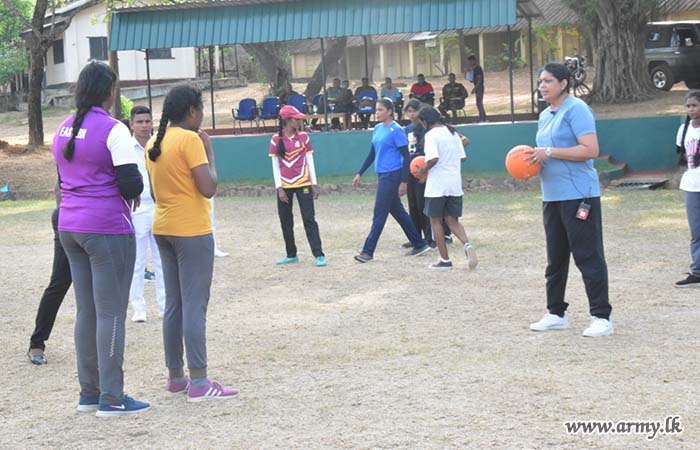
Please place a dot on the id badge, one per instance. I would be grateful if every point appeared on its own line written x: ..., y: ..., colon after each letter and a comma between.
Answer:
x: 583, y: 210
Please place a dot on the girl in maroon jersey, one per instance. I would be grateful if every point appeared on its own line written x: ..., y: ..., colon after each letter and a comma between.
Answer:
x: 294, y: 174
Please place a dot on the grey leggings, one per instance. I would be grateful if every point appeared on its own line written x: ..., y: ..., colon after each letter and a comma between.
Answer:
x: 188, y: 265
x: 101, y: 266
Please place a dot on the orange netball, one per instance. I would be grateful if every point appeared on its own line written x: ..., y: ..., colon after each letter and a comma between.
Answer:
x: 518, y: 166
x: 416, y: 164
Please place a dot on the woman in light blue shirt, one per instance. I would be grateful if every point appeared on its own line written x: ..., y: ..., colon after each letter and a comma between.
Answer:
x: 566, y: 145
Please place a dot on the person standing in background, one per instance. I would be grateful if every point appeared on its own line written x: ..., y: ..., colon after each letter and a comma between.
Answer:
x: 141, y: 125
x: 477, y: 78
x: 54, y: 294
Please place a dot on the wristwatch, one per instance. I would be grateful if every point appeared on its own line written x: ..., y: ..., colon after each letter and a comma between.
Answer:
x: 548, y: 152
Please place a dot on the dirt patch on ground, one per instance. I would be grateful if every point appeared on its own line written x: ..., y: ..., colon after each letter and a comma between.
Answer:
x: 31, y: 173
x: 387, y: 355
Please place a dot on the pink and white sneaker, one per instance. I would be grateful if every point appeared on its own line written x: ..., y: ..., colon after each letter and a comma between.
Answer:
x: 213, y: 390
x: 176, y: 387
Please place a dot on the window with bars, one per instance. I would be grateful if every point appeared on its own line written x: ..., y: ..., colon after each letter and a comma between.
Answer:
x: 98, y: 48
x: 160, y: 53
x: 58, y: 56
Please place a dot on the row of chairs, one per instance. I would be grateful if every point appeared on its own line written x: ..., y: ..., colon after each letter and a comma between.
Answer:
x: 248, y: 110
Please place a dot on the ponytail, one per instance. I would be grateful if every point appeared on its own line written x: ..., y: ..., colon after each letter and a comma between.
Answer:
x: 95, y: 86
x: 154, y: 152
x: 69, y: 149
x: 176, y: 107
x: 432, y: 117
x: 280, y: 140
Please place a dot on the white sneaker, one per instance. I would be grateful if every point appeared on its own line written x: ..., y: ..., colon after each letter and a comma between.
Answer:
x: 220, y: 254
x: 470, y: 253
x: 551, y: 322
x: 599, y: 327
x: 139, y: 316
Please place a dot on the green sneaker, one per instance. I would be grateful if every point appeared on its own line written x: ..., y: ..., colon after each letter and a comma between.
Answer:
x: 320, y: 261
x: 288, y: 260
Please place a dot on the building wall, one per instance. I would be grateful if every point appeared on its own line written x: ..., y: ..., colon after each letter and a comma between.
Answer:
x: 684, y: 15
x: 132, y: 64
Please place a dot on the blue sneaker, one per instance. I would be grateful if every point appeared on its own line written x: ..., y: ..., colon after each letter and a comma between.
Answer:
x: 288, y: 260
x: 150, y: 276
x: 127, y: 406
x: 320, y: 261
x: 88, y: 403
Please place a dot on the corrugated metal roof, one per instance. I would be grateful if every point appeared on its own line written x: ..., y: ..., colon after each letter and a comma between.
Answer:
x: 672, y: 6
x: 552, y: 12
x: 204, y: 25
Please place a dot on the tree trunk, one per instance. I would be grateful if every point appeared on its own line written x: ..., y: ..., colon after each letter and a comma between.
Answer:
x: 334, y: 53
x: 272, y: 58
x: 617, y: 31
x: 37, y: 51
x: 463, y: 55
x: 36, y: 77
x: 621, y: 73
x: 117, y: 107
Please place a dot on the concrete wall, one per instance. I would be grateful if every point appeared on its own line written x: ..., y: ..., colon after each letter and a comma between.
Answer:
x: 90, y: 22
x: 684, y: 15
x: 644, y: 144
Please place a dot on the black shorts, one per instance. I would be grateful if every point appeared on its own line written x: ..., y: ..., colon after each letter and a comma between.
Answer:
x: 443, y: 206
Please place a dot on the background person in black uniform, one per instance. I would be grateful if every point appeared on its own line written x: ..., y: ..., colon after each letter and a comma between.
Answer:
x: 477, y: 78
x: 416, y: 190
x: 53, y: 296
x: 453, y: 96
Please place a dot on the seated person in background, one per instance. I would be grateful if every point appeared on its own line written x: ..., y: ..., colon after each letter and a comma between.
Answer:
x: 423, y: 91
x: 453, y: 95
x: 393, y: 94
x: 365, y: 101
x: 286, y: 92
x: 334, y: 93
x: 345, y: 102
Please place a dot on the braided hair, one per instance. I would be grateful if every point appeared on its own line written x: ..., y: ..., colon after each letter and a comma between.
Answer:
x: 280, y: 140
x: 432, y: 117
x: 95, y: 85
x: 176, y: 107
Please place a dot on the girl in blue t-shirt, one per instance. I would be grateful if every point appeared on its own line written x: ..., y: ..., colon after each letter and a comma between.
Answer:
x: 389, y: 153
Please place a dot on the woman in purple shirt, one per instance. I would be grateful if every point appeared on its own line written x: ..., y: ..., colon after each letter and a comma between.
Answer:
x: 100, y: 183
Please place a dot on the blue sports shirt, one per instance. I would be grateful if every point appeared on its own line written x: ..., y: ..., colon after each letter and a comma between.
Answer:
x: 561, y: 179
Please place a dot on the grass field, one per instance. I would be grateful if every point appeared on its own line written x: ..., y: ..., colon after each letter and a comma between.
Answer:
x: 386, y: 355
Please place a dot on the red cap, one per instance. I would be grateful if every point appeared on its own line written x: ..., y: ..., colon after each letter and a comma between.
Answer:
x: 288, y: 111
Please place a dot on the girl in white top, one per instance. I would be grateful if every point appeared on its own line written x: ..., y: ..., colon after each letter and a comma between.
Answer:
x: 444, y: 154
x: 688, y: 146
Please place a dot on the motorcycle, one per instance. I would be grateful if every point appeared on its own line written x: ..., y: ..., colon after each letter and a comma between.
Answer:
x: 577, y: 67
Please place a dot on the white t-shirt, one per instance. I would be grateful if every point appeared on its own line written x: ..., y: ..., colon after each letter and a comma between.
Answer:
x: 690, y: 182
x: 147, y: 205
x: 445, y: 178
x: 119, y: 143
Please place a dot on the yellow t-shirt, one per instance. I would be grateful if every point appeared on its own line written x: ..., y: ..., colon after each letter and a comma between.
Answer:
x: 181, y: 210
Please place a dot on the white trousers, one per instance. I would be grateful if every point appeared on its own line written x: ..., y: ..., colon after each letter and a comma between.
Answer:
x: 143, y: 226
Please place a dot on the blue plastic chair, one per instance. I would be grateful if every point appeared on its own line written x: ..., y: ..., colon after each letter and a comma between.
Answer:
x: 270, y: 108
x: 299, y: 102
x: 247, y: 111
x: 316, y: 101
